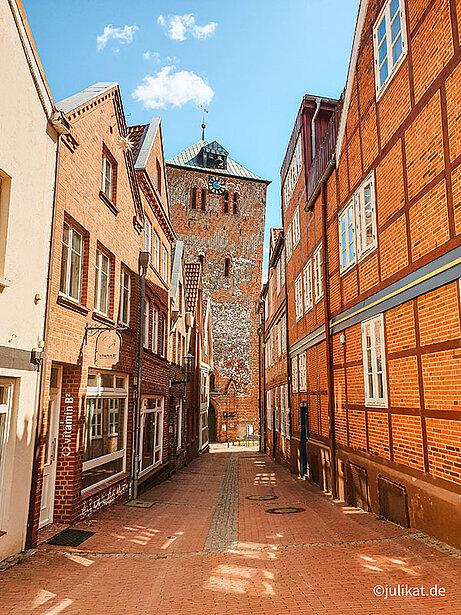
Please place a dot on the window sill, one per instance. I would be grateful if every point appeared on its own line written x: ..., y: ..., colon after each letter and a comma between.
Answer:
x: 99, y: 317
x: 108, y: 202
x: 72, y: 304
x: 104, y: 484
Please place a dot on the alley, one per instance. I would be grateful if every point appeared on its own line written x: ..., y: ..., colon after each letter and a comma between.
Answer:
x: 209, y: 544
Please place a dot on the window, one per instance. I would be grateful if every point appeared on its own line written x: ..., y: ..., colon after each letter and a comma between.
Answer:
x: 299, y: 297
x: 227, y: 264
x: 347, y: 237
x: 146, y: 323
x: 125, y: 295
x: 374, y: 372
x: 279, y: 338
x: 271, y: 294
x: 155, y: 347
x: 282, y: 268
x: 235, y: 204
x: 179, y: 424
x: 203, y: 204
x: 277, y: 269
x: 293, y: 172
x: 163, y: 336
x: 156, y: 252
x: 295, y: 226
x: 226, y: 202
x: 71, y: 263
x: 276, y: 407
x: 307, y: 274
x: 164, y: 263
x: 147, y: 236
x: 288, y: 244
x: 104, y: 442
x: 318, y: 274
x: 287, y: 427
x: 151, y: 436
x: 284, y: 334
x: 366, y: 217
x: 158, y: 177
x: 107, y: 177
x: 269, y: 410
x: 294, y: 374
x: 389, y: 41
x: 194, y: 198
x: 282, y: 411
x: 6, y: 393
x: 102, y: 283
x: 302, y: 373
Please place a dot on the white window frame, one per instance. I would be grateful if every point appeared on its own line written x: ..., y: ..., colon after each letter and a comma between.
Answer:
x: 179, y: 424
x: 102, y: 281
x: 125, y: 297
x: 100, y: 392
x: 156, y: 252
x: 164, y: 263
x: 295, y: 226
x: 276, y: 409
x: 307, y: 279
x: 302, y: 373
x: 5, y: 410
x: 159, y: 410
x: 268, y: 410
x: 279, y: 338
x: 318, y: 273
x: 361, y: 225
x: 299, y: 308
x: 107, y: 177
x: 147, y: 236
x: 278, y: 277
x: 287, y: 411
x: 70, y: 251
x: 392, y: 64
x: 284, y: 333
x: 146, y: 319
x: 370, y: 362
x: 288, y: 242
x: 282, y: 410
x: 293, y: 172
x: 155, y: 324
x: 294, y: 374
x: 346, y: 226
x: 282, y: 268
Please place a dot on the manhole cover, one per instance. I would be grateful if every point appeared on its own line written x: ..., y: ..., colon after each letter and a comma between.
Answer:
x: 139, y: 504
x: 285, y: 511
x: 70, y: 538
x: 262, y: 498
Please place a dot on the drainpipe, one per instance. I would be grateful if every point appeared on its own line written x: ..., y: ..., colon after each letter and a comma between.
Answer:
x: 318, y: 102
x: 143, y: 260
x: 326, y: 303
x: 41, y: 385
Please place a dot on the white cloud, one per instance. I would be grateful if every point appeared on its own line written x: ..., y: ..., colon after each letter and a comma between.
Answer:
x: 123, y: 35
x: 180, y: 26
x: 173, y: 88
x: 151, y: 55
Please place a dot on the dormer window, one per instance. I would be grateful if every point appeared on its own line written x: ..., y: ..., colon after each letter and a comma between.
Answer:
x: 214, y: 156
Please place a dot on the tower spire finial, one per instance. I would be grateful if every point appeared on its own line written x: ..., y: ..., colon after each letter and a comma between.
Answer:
x: 203, y: 122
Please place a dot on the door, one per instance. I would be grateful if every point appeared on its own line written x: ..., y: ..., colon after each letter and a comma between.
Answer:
x: 211, y: 423
x: 303, y: 460
x: 51, y: 447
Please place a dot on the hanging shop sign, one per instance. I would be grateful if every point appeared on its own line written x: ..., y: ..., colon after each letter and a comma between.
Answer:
x: 108, y: 348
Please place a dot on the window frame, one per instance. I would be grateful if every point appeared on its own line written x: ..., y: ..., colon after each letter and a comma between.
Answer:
x: 293, y: 172
x: 302, y: 372
x: 157, y: 410
x: 360, y: 230
x: 374, y: 401
x: 294, y: 374
x: 108, y: 161
x: 296, y: 228
x: 156, y: 251
x: 318, y: 277
x: 125, y: 294
x: 147, y: 236
x: 6, y: 410
x: 344, y: 244
x: 288, y: 242
x: 155, y: 325
x: 385, y: 14
x: 299, y: 300
x: 99, y: 273
x: 146, y: 322
x: 70, y: 250
x: 268, y: 409
x: 307, y: 280
x: 164, y: 263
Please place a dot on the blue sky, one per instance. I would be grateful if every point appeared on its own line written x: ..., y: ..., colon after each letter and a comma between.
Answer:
x: 249, y: 61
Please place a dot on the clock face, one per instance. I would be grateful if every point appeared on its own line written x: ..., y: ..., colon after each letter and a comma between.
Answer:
x: 217, y: 185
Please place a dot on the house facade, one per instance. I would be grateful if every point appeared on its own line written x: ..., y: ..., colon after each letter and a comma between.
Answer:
x: 379, y: 237
x: 218, y: 210
x: 27, y: 176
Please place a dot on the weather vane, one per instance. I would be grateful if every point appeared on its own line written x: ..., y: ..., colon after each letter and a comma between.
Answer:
x: 203, y: 122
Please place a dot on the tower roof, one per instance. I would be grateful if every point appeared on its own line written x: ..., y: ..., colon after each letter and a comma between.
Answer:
x: 191, y: 158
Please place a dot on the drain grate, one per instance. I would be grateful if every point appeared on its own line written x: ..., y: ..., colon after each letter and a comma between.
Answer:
x: 262, y: 498
x: 289, y: 510
x: 139, y: 504
x: 70, y: 538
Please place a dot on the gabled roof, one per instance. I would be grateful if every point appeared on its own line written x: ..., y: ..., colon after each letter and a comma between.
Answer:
x: 275, y: 245
x: 216, y: 148
x: 192, y: 273
x: 189, y: 158
x: 136, y: 134
x: 145, y: 142
x: 81, y: 98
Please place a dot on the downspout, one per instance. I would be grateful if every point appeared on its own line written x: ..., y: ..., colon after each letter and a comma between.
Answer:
x: 38, y: 429
x: 328, y: 349
x: 318, y: 102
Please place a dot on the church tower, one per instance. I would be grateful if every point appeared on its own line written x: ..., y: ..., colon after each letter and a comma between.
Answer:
x: 218, y: 210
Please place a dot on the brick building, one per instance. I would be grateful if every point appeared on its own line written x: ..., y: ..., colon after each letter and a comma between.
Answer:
x: 93, y: 314
x: 218, y: 210
x: 372, y: 232
x: 277, y: 418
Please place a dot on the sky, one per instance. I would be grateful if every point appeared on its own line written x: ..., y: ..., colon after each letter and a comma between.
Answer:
x: 247, y: 62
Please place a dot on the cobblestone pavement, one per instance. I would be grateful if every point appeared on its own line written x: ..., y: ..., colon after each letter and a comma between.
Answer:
x: 208, y: 546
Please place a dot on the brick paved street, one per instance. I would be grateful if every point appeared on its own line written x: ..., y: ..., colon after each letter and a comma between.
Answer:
x: 204, y: 547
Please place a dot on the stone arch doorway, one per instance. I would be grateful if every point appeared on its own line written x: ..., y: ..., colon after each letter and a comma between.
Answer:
x: 211, y: 423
